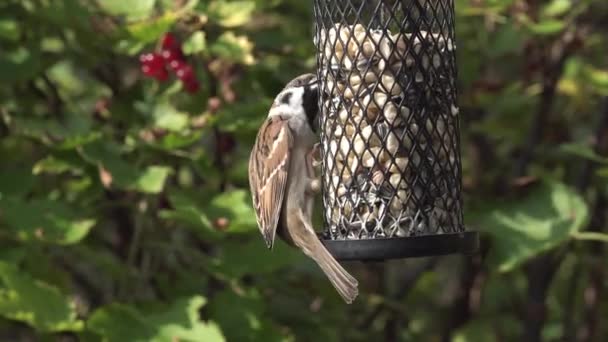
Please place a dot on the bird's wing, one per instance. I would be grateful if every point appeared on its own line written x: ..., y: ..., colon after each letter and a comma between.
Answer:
x: 268, y: 168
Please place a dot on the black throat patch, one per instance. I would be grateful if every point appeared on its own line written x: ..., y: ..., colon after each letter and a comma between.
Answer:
x: 310, y: 102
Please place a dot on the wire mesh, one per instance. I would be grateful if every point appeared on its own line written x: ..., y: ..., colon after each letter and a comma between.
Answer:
x: 389, y: 118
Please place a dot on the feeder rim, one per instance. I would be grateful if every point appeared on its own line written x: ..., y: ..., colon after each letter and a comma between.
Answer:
x: 378, y: 249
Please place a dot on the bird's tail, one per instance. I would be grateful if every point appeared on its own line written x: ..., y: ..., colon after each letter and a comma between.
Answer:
x: 345, y: 284
x: 302, y: 235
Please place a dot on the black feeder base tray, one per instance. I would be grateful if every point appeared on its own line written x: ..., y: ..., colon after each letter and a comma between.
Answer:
x: 405, y: 247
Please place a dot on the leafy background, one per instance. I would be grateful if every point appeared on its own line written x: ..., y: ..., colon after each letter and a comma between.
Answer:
x: 124, y: 204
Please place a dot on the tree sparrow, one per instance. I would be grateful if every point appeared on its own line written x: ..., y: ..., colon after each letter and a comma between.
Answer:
x: 283, y: 182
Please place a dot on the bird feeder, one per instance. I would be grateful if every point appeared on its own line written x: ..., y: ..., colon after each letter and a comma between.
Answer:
x: 391, y: 170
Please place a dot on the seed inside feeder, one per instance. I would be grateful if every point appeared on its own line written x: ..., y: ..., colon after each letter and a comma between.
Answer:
x: 386, y: 137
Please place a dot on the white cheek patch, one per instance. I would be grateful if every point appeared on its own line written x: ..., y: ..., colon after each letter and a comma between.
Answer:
x: 295, y: 101
x: 294, y: 106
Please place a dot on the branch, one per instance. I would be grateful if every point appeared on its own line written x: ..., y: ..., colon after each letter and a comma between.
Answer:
x: 592, y: 234
x: 601, y: 133
x: 595, y: 284
x: 541, y: 270
x: 407, y: 283
x: 460, y: 310
x: 557, y: 57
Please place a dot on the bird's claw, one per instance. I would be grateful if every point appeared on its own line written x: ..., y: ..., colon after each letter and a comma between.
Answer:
x: 315, y: 154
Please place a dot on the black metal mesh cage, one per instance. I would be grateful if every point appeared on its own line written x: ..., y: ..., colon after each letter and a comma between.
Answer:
x: 389, y: 127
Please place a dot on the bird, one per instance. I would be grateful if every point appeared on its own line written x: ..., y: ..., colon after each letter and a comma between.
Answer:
x: 283, y: 181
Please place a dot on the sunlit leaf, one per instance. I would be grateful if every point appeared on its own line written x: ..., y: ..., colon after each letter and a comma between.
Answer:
x: 188, y: 212
x: 166, y: 116
x: 131, y: 8
x: 234, y: 48
x: 242, y: 317
x: 231, y: 13
x: 524, y: 228
x: 598, y: 78
x: 547, y: 27
x: 195, y: 43
x: 9, y: 29
x: 236, y: 207
x: 124, y: 175
x: 556, y: 8
x: 152, y: 180
x: 45, y: 220
x: 35, y: 303
x: 152, y: 29
x: 178, y: 322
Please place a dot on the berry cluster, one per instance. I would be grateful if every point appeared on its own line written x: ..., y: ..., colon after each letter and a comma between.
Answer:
x: 171, y: 57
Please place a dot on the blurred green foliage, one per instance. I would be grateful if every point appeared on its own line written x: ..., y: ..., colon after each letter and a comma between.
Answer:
x: 124, y: 206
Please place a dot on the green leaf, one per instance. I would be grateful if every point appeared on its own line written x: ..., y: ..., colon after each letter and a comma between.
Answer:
x: 9, y: 29
x: 150, y: 30
x: 507, y: 39
x: 482, y: 329
x: 45, y: 220
x: 243, y: 117
x: 234, y: 48
x: 475, y: 331
x: 189, y: 213
x: 242, y: 317
x: 584, y: 151
x: 260, y: 259
x: 598, y: 78
x: 178, y: 322
x: 231, y: 14
x: 19, y: 65
x: 235, y: 206
x: 167, y: 117
x: 15, y: 182
x: 152, y: 180
x: 38, y: 304
x: 556, y: 8
x: 122, y: 174
x: 173, y: 141
x: 522, y: 229
x: 131, y: 8
x: 74, y: 131
x: 195, y: 43
x: 547, y: 27
x: 52, y: 165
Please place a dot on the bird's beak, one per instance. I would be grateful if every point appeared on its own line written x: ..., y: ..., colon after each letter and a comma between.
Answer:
x: 313, y: 84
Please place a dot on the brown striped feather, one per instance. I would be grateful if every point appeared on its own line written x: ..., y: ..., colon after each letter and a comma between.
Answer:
x: 268, y: 167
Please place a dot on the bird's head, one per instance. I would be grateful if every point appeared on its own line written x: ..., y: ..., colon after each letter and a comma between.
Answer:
x: 299, y: 97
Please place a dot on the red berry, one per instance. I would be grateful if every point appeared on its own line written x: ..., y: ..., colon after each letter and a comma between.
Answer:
x: 172, y: 55
x: 153, y: 65
x: 185, y: 72
x: 157, y: 60
x: 191, y: 86
x: 161, y: 75
x: 146, y: 70
x: 169, y: 42
x: 145, y: 57
x: 175, y: 65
